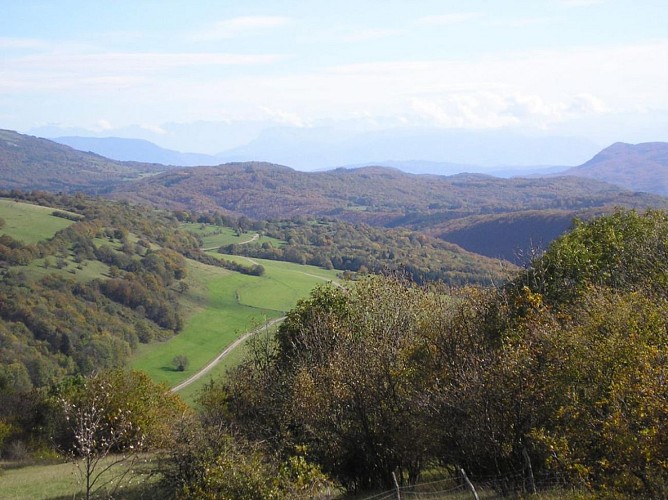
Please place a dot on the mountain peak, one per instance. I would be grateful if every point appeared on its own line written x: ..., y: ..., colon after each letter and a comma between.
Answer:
x: 640, y: 167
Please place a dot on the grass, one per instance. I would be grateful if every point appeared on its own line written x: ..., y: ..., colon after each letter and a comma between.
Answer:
x: 190, y: 393
x: 83, y: 272
x: 63, y: 481
x: 29, y: 223
x: 283, y: 283
x: 216, y: 236
x: 223, y: 305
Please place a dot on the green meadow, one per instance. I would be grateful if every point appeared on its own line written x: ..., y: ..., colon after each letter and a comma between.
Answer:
x: 223, y: 305
x: 29, y: 223
x: 216, y: 236
x: 63, y: 480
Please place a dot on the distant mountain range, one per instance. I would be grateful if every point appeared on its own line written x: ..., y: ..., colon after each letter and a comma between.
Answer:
x: 122, y: 149
x: 426, y: 150
x: 321, y: 147
x: 641, y: 167
x: 488, y: 215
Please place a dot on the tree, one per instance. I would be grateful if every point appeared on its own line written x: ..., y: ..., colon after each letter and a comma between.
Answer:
x: 624, y: 251
x: 96, y: 435
x: 207, y: 461
x: 342, y: 381
x: 110, y: 418
x: 180, y: 362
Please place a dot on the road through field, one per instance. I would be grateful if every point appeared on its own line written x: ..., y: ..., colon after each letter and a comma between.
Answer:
x: 224, y: 353
x: 254, y: 238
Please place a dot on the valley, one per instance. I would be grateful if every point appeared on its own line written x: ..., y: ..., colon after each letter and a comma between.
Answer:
x: 273, y: 311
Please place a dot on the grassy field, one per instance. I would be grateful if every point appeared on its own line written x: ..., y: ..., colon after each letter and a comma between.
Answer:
x: 29, y: 223
x: 63, y: 481
x: 216, y: 236
x: 190, y: 393
x: 223, y: 305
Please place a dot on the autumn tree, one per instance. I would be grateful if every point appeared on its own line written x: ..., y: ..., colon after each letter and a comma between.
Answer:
x: 112, y: 417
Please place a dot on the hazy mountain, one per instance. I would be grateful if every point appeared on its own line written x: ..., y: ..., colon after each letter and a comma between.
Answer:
x: 639, y: 167
x: 336, y: 144
x: 29, y: 163
x: 443, y: 168
x: 317, y: 148
x: 118, y: 148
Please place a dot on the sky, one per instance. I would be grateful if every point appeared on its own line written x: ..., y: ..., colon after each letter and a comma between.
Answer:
x: 596, y: 69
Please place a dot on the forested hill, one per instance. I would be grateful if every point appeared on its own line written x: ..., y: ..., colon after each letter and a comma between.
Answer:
x: 375, y: 195
x: 83, y: 281
x: 641, y: 167
x: 29, y: 163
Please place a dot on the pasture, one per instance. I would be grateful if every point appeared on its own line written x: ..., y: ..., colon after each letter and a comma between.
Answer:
x: 222, y: 305
x: 217, y: 236
x: 29, y: 223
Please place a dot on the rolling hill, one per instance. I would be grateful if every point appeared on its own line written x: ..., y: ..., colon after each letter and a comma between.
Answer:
x: 498, y: 235
x: 377, y: 196
x: 639, y: 167
x: 28, y: 162
x: 374, y: 195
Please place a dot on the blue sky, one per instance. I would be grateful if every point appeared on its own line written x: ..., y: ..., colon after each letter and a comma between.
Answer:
x: 592, y: 68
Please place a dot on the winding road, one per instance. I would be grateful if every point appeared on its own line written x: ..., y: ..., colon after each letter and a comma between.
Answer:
x: 198, y: 375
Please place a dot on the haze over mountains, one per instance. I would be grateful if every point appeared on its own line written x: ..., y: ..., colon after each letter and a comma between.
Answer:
x: 641, y: 167
x: 421, y: 150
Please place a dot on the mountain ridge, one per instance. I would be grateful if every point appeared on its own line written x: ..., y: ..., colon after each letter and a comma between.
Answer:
x: 139, y: 150
x: 641, y: 167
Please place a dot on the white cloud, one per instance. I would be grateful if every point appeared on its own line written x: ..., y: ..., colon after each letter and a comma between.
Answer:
x: 497, y: 109
x: 238, y: 26
x: 70, y: 71
x: 103, y: 125
x: 157, y: 129
x: 530, y: 88
x: 520, y: 22
x: 22, y: 43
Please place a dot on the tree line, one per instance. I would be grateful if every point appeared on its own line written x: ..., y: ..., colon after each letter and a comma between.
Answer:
x: 360, y: 248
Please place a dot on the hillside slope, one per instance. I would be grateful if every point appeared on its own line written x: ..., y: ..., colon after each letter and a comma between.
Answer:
x: 514, y: 236
x: 28, y: 162
x: 639, y: 167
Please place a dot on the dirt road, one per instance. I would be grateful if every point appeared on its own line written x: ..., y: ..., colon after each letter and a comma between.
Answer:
x: 224, y: 353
